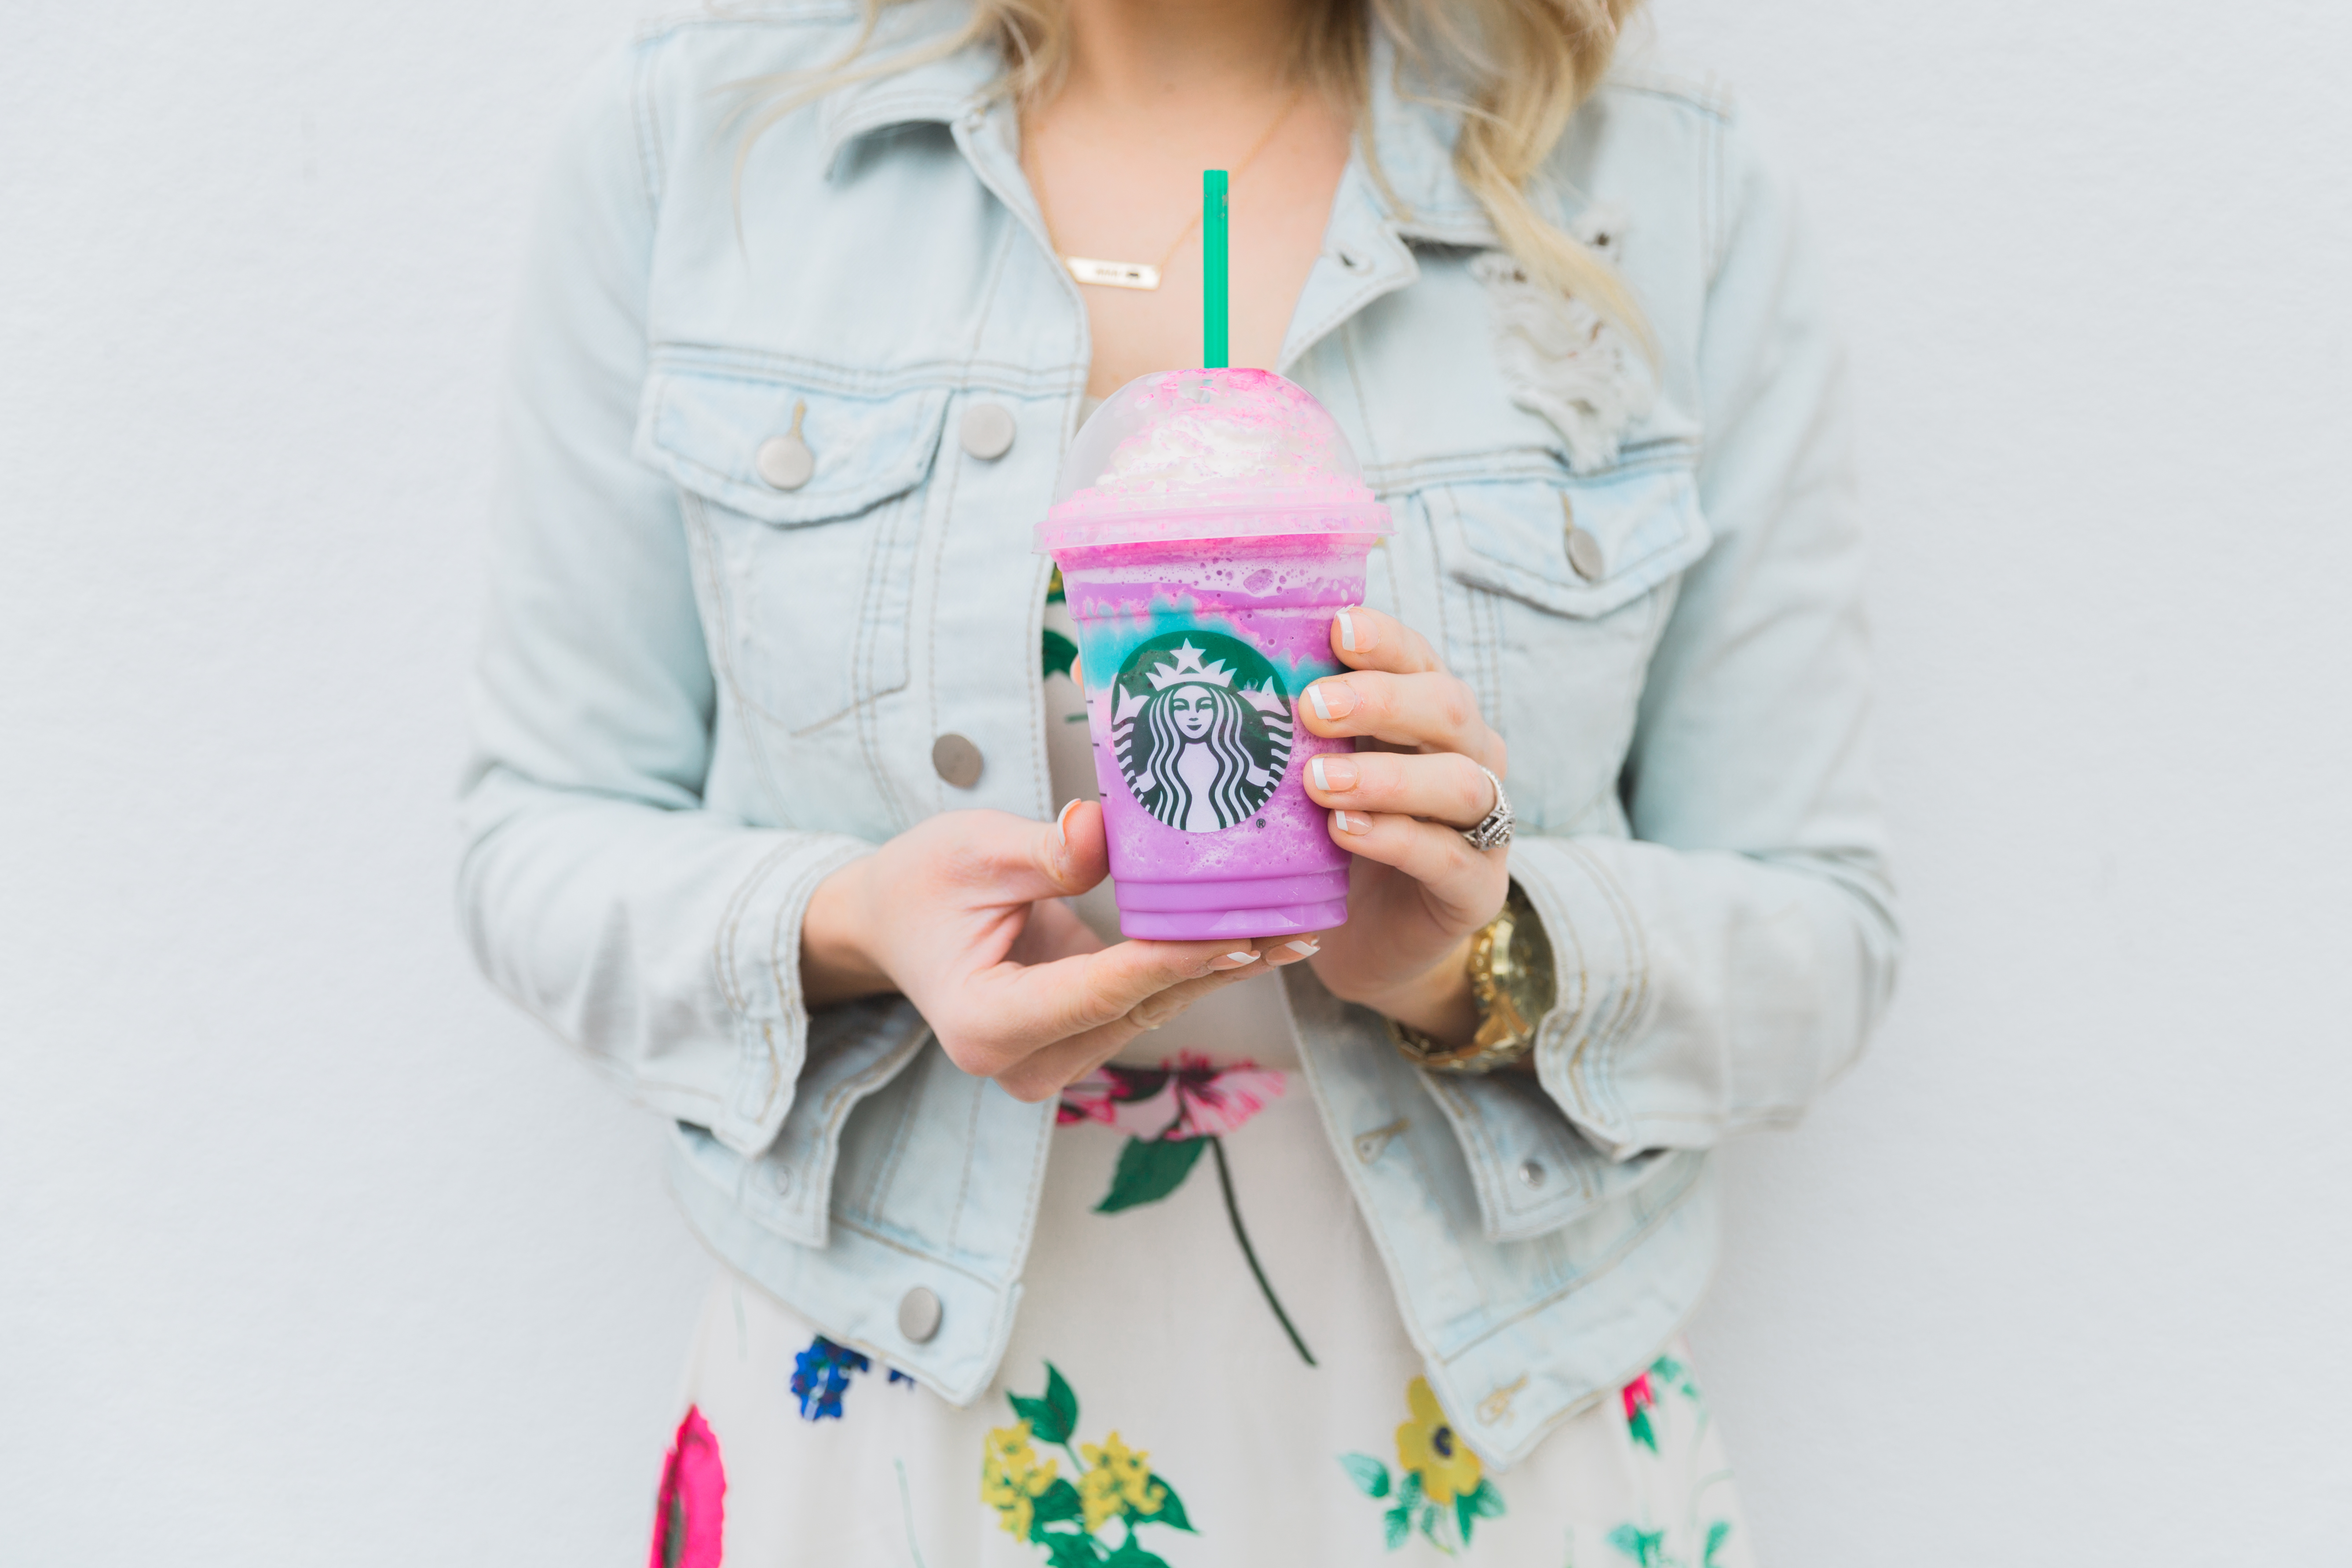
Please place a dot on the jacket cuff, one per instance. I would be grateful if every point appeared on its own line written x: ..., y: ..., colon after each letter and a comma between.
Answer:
x: 757, y: 958
x: 1602, y: 979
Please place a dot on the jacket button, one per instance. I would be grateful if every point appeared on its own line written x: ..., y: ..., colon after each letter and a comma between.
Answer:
x: 785, y: 462
x: 956, y: 760
x: 1531, y: 1174
x: 1584, y: 555
x: 987, y: 430
x: 918, y: 1315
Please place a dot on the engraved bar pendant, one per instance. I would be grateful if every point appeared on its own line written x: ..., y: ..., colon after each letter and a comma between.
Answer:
x: 1112, y: 274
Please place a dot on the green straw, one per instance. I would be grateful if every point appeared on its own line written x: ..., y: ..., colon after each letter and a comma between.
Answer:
x: 1214, y: 288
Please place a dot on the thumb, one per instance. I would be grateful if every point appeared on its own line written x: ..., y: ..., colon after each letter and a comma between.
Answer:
x: 1075, y: 849
x: 1013, y: 861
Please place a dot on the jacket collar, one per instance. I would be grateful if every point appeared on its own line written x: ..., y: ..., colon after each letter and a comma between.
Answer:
x: 951, y: 88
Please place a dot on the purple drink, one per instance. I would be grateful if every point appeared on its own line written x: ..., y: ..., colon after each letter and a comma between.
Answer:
x: 1207, y: 524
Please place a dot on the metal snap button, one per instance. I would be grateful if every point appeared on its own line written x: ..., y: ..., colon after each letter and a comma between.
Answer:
x: 987, y: 430
x: 1531, y: 1174
x: 785, y: 461
x: 1584, y: 553
x: 956, y: 760
x: 918, y: 1315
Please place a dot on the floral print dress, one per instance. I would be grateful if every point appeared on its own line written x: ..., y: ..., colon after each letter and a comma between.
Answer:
x: 1208, y: 1368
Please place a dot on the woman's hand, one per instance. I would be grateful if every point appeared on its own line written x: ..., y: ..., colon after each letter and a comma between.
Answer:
x: 1418, y: 888
x: 962, y: 915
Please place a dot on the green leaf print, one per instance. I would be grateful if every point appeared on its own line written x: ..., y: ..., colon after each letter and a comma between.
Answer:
x: 1149, y: 1171
x: 1715, y: 1534
x: 1054, y: 1417
x: 1398, y: 1519
x: 1646, y: 1547
x: 1066, y: 1551
x: 1399, y: 1525
x: 1063, y: 1398
x: 1131, y: 1554
x: 1371, y: 1477
x: 1673, y: 1374
x: 1171, y: 1507
x: 1060, y: 1500
x: 1471, y: 1507
x: 1061, y: 653
x: 1638, y: 1424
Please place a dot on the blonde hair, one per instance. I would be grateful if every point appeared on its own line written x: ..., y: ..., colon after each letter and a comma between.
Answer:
x: 1514, y: 72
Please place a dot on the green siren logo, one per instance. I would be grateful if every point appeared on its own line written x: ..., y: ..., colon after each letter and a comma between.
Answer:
x: 1201, y: 726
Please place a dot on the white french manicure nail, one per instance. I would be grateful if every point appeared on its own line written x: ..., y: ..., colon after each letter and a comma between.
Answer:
x: 1352, y: 824
x: 1315, y: 768
x: 1061, y: 824
x: 1303, y: 949
x: 1315, y: 695
x: 1239, y: 959
x: 1347, y: 632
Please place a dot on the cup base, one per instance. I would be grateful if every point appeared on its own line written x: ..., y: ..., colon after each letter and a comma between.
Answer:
x: 1201, y: 925
x: 1198, y: 909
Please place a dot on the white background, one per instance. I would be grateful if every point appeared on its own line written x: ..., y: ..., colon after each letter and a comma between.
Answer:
x: 312, y: 1251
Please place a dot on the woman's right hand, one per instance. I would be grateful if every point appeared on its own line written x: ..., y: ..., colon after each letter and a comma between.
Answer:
x: 962, y: 915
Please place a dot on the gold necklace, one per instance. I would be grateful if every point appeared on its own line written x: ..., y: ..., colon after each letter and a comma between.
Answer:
x: 1140, y: 274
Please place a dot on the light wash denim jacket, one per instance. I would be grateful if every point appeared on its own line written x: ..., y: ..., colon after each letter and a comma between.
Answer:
x: 700, y: 693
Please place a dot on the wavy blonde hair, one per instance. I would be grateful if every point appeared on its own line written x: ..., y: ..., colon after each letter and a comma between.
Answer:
x: 1514, y: 72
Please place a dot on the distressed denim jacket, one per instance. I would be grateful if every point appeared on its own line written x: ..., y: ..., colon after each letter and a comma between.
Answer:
x: 702, y: 693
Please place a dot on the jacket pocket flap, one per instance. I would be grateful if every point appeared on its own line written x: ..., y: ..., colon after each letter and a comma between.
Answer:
x: 706, y: 430
x: 1521, y: 537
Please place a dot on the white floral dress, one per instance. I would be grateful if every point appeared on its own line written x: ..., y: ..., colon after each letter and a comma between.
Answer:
x: 1208, y: 1368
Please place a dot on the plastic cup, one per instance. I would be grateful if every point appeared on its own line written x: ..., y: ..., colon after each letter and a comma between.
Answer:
x: 1207, y: 524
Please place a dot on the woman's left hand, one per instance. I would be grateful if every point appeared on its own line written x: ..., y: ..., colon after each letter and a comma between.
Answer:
x: 1418, y: 890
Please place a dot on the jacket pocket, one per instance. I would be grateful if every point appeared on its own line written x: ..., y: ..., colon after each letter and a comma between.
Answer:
x: 1518, y: 537
x: 1555, y: 632
x: 807, y: 556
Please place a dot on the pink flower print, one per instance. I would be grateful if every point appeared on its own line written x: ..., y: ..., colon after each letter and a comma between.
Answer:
x: 691, y: 1513
x: 1091, y: 1099
x: 1188, y: 1098
x: 1217, y: 1100
x: 1640, y: 1395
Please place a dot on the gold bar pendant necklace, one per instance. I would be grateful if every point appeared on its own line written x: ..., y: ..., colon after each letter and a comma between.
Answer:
x: 1097, y: 273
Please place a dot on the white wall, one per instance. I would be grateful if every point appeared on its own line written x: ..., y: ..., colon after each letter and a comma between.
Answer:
x: 311, y: 1251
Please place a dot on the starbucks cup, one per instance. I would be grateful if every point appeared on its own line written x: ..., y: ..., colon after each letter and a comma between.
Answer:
x: 1207, y: 524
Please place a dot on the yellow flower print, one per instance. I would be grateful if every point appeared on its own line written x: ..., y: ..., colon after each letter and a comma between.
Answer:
x: 1427, y: 1447
x: 1099, y: 1496
x: 1011, y: 1478
x: 1116, y: 1475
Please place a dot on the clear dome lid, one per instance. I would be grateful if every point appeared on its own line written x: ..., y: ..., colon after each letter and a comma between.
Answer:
x: 1208, y: 454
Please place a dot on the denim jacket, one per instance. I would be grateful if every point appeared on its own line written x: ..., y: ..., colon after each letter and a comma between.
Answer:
x: 701, y: 691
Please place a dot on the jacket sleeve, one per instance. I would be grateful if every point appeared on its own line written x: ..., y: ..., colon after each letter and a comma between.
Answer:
x: 658, y: 937
x: 1721, y: 967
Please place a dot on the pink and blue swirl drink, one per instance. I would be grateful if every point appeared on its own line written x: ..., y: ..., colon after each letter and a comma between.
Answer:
x: 1207, y: 525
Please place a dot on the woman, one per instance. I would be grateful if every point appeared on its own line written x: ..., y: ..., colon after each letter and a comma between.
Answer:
x: 783, y: 808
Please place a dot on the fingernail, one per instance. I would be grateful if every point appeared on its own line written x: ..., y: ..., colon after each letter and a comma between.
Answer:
x: 1303, y: 949
x: 1346, y: 630
x: 1231, y: 961
x: 1332, y: 699
x: 1332, y: 775
x: 1061, y: 824
x: 1356, y: 824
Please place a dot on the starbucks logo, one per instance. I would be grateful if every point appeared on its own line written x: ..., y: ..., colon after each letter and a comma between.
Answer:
x: 1201, y: 726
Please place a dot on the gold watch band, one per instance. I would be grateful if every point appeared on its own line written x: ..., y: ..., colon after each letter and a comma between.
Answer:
x: 1511, y: 980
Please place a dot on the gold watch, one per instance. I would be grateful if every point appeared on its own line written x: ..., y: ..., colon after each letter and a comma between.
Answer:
x: 1511, y: 980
